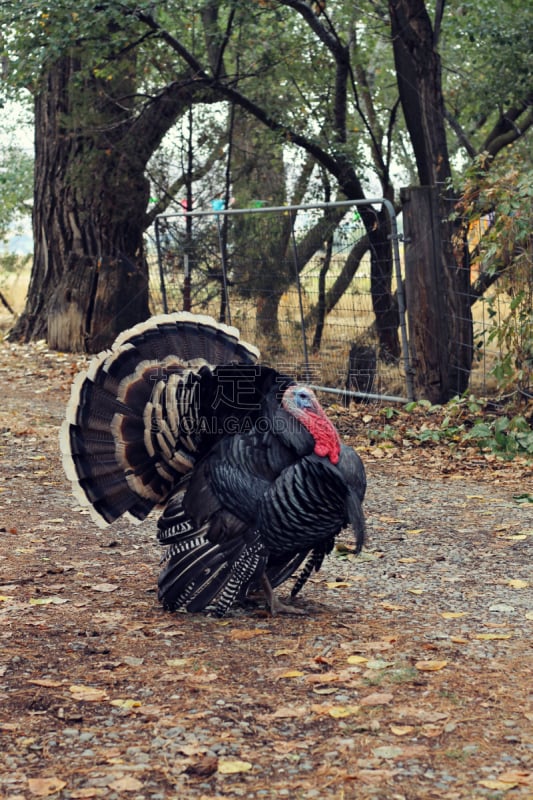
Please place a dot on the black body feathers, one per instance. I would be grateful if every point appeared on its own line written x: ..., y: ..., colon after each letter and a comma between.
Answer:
x: 252, y: 477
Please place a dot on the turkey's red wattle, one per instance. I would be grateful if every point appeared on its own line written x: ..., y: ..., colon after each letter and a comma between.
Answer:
x: 327, y: 442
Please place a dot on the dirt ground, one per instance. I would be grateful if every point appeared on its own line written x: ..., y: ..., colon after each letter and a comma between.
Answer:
x: 409, y: 677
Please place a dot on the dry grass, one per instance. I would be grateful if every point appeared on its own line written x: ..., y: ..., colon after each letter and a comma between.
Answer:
x: 351, y: 321
x: 14, y: 287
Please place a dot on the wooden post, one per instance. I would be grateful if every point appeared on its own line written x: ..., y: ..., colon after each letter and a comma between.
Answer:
x: 427, y: 326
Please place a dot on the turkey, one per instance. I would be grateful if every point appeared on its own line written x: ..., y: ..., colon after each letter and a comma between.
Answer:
x: 253, y: 479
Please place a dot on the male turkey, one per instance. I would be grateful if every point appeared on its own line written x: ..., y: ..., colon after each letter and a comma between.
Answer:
x: 252, y: 476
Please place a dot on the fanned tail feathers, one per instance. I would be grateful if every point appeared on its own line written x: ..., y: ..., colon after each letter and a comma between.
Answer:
x: 133, y: 426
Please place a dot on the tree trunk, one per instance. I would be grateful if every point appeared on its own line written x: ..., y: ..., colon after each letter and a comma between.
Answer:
x: 383, y: 300
x: 89, y: 279
x: 448, y: 311
x: 260, y: 241
x: 434, y: 286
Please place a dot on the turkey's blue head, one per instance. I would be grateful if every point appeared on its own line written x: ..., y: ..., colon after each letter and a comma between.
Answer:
x: 302, y: 403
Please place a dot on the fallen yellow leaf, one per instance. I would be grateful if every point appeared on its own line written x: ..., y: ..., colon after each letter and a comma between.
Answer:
x: 356, y: 660
x: 335, y: 711
x: 340, y: 712
x: 176, y: 662
x: 292, y: 673
x: 416, y: 591
x: 228, y: 766
x: 126, y: 784
x: 125, y: 703
x: 415, y: 531
x: 323, y: 677
x: 454, y: 614
x: 517, y: 583
x: 43, y: 787
x: 518, y: 775
x: 47, y: 682
x: 488, y: 637
x: 46, y: 601
x: 337, y: 584
x: 401, y: 730
x: 430, y: 666
x: 502, y: 786
x: 89, y: 694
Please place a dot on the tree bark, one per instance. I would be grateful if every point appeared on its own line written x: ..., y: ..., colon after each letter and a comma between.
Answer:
x: 434, y: 289
x: 419, y: 81
x: 89, y: 279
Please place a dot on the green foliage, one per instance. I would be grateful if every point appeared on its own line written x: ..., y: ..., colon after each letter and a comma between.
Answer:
x: 488, y: 60
x: 16, y: 178
x: 503, y: 436
x: 41, y: 32
x: 461, y: 422
x: 500, y: 204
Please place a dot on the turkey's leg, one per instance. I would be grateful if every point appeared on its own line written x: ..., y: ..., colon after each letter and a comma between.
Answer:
x: 275, y: 604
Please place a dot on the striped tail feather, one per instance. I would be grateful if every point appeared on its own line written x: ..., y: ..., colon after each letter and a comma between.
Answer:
x: 188, y: 570
x: 132, y: 424
x: 245, y: 570
x: 198, y: 572
x: 313, y: 564
x: 188, y: 336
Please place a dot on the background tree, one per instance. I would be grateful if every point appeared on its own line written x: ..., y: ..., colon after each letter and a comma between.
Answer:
x: 94, y: 137
x: 328, y: 83
x: 16, y: 176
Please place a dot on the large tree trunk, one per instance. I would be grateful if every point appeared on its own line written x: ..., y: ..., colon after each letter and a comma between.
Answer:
x: 89, y: 279
x: 432, y: 286
x: 419, y: 81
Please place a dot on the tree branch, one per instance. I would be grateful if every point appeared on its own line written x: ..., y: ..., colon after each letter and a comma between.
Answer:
x: 460, y: 133
x: 511, y: 126
x: 337, y: 165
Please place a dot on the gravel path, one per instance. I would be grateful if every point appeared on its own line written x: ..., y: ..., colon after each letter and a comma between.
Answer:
x: 409, y: 677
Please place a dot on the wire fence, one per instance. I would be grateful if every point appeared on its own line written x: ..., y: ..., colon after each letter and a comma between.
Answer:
x: 488, y: 314
x: 297, y: 282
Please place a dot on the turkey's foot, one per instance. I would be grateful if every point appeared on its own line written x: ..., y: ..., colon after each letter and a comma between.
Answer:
x: 276, y: 605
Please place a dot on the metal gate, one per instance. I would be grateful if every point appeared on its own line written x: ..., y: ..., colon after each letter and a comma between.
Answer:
x: 299, y: 281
